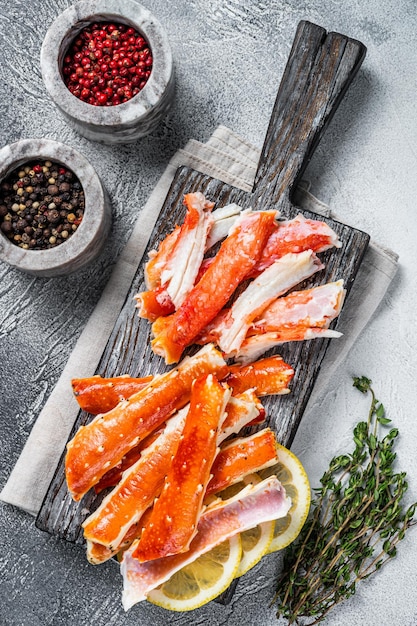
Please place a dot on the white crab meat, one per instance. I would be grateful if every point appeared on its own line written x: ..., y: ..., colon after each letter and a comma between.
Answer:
x: 223, y: 220
x: 312, y: 308
x: 253, y: 347
x: 299, y: 316
x: 276, y: 280
x: 182, y: 267
x: 254, y: 505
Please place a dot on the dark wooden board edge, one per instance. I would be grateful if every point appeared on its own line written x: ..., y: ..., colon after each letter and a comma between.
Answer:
x: 128, y: 349
x: 320, y: 67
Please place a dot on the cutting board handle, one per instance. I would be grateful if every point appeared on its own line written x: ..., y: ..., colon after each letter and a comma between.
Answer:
x: 318, y: 72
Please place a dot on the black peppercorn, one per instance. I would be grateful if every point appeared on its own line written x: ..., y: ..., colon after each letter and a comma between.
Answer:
x: 6, y: 227
x: 41, y: 205
x: 53, y: 216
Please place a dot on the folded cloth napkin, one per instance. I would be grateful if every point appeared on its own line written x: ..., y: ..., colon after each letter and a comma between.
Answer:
x: 233, y: 160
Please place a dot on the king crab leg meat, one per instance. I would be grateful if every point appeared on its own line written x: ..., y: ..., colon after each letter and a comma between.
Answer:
x: 238, y: 254
x: 263, y: 502
x: 98, y: 395
x: 172, y: 270
x: 297, y: 235
x: 311, y: 308
x: 276, y: 280
x: 241, y: 457
x: 173, y: 521
x: 102, y: 443
x: 300, y: 316
x: 139, y: 486
x: 268, y: 376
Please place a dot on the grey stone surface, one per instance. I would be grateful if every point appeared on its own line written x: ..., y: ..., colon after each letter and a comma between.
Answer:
x: 84, y: 245
x: 229, y: 56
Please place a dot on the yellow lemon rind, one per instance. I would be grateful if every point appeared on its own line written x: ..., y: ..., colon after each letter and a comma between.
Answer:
x: 300, y: 509
x: 158, y: 597
x: 251, y: 557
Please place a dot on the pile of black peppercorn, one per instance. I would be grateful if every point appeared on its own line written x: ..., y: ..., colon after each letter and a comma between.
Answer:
x: 41, y: 205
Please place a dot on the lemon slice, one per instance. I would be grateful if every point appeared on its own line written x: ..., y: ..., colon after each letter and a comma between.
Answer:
x: 255, y: 544
x: 293, y: 477
x: 255, y: 541
x: 201, y: 581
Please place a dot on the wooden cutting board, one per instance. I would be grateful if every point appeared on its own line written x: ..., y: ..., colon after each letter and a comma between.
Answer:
x: 320, y: 68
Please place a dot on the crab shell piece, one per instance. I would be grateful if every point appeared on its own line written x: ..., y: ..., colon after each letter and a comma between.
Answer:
x: 101, y: 444
x: 240, y: 457
x: 140, y: 485
x: 254, y: 505
x: 238, y: 254
x: 173, y: 521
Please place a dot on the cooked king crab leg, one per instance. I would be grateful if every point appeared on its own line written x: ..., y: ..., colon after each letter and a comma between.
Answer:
x: 173, y: 269
x: 297, y: 235
x: 127, y: 499
x: 102, y: 443
x: 182, y: 267
x: 276, y: 280
x: 238, y: 254
x: 255, y: 504
x: 268, y: 376
x: 140, y: 484
x: 161, y: 260
x: 312, y: 308
x: 240, y: 457
x: 173, y: 521
x: 96, y: 394
x: 299, y: 316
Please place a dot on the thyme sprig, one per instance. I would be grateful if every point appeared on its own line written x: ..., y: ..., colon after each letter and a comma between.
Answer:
x: 356, y: 521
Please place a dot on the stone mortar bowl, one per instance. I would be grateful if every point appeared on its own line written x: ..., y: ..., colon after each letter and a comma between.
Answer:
x: 122, y: 123
x: 84, y: 244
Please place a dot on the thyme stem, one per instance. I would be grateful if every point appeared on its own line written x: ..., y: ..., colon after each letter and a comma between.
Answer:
x: 356, y: 522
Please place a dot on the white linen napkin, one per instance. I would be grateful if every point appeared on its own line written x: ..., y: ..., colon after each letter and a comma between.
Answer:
x: 234, y: 161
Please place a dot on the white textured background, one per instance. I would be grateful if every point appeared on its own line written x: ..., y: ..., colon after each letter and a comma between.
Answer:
x: 229, y: 57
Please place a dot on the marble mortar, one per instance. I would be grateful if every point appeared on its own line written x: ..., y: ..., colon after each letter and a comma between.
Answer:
x: 83, y: 245
x: 125, y: 122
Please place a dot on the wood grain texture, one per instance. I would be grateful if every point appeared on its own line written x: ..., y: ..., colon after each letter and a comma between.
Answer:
x: 319, y: 69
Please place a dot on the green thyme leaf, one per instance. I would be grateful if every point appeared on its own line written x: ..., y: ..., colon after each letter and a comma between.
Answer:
x: 356, y: 521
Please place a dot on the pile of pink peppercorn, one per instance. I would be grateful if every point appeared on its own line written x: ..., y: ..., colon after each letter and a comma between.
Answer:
x: 107, y: 64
